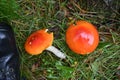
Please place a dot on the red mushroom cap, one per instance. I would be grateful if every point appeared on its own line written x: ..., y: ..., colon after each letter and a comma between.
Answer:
x: 38, y: 41
x: 82, y: 37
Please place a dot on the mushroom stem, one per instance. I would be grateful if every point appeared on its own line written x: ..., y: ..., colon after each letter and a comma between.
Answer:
x: 57, y: 52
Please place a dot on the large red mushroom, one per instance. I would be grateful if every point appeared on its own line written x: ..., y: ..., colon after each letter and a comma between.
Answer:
x: 82, y: 37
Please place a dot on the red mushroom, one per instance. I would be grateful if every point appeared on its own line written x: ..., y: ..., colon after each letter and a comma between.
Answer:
x: 40, y: 40
x: 82, y: 37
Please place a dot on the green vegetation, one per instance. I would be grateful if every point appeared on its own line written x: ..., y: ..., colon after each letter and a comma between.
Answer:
x: 27, y: 16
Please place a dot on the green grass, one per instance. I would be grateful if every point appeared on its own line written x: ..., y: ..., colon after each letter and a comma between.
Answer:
x: 27, y: 16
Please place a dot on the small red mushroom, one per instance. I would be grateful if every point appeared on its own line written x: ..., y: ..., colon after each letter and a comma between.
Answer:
x: 82, y: 37
x: 39, y: 41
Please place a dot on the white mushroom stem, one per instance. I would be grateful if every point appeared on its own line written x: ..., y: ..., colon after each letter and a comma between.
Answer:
x: 57, y: 52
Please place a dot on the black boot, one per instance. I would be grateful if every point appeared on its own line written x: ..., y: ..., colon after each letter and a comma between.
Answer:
x: 9, y: 54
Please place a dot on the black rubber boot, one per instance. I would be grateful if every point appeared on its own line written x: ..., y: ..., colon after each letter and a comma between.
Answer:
x: 9, y: 54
